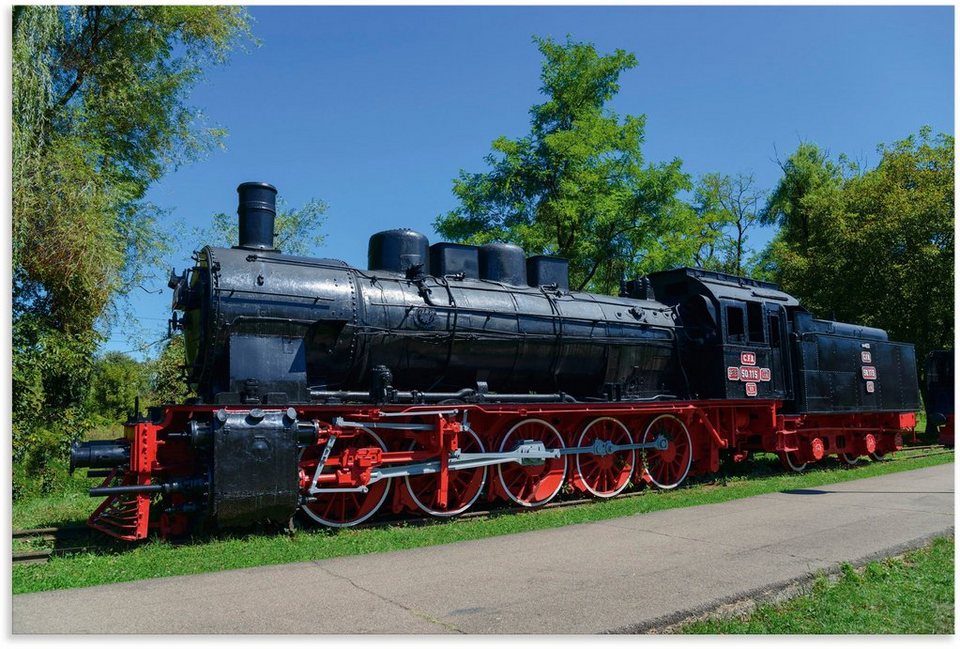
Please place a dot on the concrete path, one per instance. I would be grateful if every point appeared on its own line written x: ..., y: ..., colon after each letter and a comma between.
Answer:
x: 626, y: 574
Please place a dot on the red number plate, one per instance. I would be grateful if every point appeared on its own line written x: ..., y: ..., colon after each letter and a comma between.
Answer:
x: 733, y: 373
x: 869, y: 372
x: 751, y: 389
x: 748, y: 358
x: 749, y: 373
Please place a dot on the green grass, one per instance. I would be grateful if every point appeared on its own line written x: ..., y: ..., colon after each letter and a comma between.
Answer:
x: 69, y: 508
x: 912, y: 594
x: 921, y: 422
x: 116, y: 562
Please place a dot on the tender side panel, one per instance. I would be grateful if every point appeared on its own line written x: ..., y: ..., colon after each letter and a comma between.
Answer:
x: 843, y: 374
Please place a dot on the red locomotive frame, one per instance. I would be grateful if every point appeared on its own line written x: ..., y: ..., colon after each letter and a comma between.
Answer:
x: 360, y: 461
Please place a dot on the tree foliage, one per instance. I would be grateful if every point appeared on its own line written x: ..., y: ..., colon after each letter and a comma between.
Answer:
x: 117, y: 380
x: 99, y: 113
x: 577, y: 185
x: 296, y: 231
x: 729, y: 207
x: 805, y: 173
x: 167, y: 380
x: 873, y: 247
x: 115, y: 383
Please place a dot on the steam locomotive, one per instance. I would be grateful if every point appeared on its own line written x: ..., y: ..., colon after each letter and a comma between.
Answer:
x: 442, y: 374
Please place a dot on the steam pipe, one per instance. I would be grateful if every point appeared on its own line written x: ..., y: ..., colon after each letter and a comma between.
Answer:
x: 466, y: 394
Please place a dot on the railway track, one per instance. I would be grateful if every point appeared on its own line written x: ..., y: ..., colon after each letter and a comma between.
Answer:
x: 68, y: 536
x: 75, y: 532
x: 910, y: 452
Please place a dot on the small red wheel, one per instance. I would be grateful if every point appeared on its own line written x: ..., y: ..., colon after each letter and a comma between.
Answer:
x: 343, y: 509
x: 532, y: 485
x: 463, y: 486
x: 605, y: 475
x: 667, y: 469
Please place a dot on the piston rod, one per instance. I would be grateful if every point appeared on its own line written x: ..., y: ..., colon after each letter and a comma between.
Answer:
x: 525, y: 453
x: 194, y: 484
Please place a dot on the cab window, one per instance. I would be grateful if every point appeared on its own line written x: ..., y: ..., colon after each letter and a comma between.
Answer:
x: 735, y: 324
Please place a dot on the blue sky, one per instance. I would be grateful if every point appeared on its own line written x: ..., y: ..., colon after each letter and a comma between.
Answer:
x: 376, y: 109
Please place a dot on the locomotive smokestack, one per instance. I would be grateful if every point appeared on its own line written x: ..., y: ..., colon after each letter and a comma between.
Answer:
x: 257, y: 209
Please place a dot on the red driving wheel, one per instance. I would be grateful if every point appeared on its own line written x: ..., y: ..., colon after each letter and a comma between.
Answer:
x: 534, y: 484
x: 605, y: 475
x: 463, y: 486
x: 668, y: 468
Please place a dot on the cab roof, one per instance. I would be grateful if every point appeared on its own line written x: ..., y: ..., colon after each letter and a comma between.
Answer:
x: 671, y: 285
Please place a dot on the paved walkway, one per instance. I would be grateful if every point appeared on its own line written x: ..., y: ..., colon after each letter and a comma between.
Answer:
x: 625, y: 574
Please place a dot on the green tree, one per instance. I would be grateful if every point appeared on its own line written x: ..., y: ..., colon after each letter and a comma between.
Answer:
x: 577, y: 185
x: 729, y: 207
x: 99, y: 113
x: 296, y: 231
x: 874, y: 247
x: 806, y: 172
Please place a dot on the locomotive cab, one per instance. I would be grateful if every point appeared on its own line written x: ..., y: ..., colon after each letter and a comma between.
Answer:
x: 735, y: 333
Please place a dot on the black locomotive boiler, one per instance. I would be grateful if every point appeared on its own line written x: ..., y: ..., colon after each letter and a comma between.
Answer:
x: 446, y: 373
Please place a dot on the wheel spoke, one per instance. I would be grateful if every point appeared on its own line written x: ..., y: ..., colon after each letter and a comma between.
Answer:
x: 330, y: 503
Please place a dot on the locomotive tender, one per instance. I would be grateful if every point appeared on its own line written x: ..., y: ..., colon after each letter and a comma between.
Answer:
x: 447, y: 373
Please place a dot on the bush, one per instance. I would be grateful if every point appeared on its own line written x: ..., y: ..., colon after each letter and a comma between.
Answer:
x: 168, y: 384
x: 115, y: 383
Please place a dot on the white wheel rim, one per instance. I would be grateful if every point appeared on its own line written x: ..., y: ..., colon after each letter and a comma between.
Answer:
x: 503, y: 483
x: 878, y: 457
x: 373, y: 511
x: 646, y: 440
x: 796, y: 468
x: 440, y: 514
x: 633, y: 459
